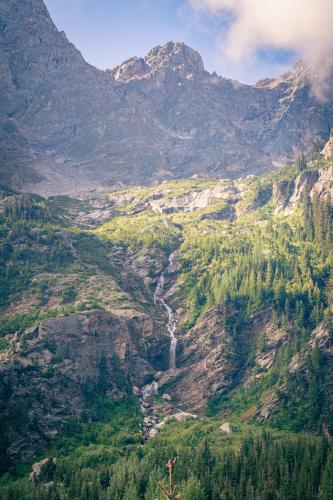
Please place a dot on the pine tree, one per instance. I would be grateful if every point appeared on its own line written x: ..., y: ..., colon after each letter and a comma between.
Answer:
x: 269, y: 275
x: 317, y: 217
x: 287, y: 308
x: 326, y: 484
x: 131, y: 491
x: 315, y: 384
x: 192, y: 490
x: 299, y: 314
x: 302, y: 163
x: 103, y: 376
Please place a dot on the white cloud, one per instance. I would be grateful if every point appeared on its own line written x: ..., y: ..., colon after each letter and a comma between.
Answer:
x: 304, y: 26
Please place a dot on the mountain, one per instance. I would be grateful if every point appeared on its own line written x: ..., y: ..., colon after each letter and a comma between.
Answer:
x: 191, y: 318
x: 67, y: 126
x: 92, y: 289
x: 166, y: 319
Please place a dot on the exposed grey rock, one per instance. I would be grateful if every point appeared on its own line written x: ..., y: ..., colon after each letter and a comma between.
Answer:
x: 208, y: 364
x: 328, y: 149
x: 226, y: 427
x: 269, y: 406
x: 303, y: 184
x: 180, y: 417
x: 152, y: 433
x: 48, y: 365
x: 299, y: 368
x: 282, y: 191
x: 66, y: 125
x: 43, y: 470
x: 324, y: 184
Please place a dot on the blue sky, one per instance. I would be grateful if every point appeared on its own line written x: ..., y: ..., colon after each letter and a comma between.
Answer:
x: 107, y: 32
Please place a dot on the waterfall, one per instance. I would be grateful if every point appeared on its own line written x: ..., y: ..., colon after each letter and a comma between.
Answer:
x: 172, y: 323
x: 148, y: 391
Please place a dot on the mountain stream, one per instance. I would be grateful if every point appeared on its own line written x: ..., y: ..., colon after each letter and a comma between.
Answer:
x: 152, y: 389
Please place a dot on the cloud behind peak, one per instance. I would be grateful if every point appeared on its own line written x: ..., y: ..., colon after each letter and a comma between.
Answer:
x: 303, y: 26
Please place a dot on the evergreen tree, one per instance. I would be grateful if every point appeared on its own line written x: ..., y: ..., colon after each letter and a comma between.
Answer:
x: 299, y: 314
x: 103, y: 376
x: 192, y: 490
x: 326, y: 483
x: 302, y: 163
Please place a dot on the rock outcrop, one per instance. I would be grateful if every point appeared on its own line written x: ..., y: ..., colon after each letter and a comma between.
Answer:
x: 282, y: 192
x: 324, y: 184
x: 304, y: 184
x: 226, y: 427
x: 68, y: 126
x: 43, y: 470
x: 328, y: 149
x: 208, y: 364
x: 45, y: 369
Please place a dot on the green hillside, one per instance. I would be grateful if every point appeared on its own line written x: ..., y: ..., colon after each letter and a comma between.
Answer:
x: 250, y: 284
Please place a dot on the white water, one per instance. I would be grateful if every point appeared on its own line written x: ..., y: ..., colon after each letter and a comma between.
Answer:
x: 150, y: 390
x: 172, y: 323
x: 150, y: 421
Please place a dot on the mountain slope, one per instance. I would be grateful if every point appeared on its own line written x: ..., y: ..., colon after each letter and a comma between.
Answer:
x: 152, y: 118
x: 92, y: 291
x: 242, y: 269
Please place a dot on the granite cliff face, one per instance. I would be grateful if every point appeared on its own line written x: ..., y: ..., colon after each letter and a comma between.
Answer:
x: 44, y: 372
x: 67, y: 125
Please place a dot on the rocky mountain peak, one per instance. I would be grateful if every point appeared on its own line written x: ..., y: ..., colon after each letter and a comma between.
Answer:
x: 72, y: 126
x: 298, y: 75
x: 175, y: 55
x: 135, y: 67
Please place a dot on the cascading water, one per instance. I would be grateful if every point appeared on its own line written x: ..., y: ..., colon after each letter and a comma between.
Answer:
x: 172, y: 323
x: 148, y: 391
x: 149, y: 421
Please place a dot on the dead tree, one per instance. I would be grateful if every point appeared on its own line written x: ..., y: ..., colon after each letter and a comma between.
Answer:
x: 168, y: 492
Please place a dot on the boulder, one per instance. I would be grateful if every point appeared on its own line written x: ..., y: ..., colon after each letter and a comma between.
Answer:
x: 152, y: 433
x: 226, y: 427
x: 180, y: 417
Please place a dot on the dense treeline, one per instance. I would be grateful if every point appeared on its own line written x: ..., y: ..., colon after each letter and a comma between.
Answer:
x: 318, y: 221
x: 259, y: 467
x: 29, y: 243
x: 286, y: 265
x: 305, y: 399
x: 281, y: 265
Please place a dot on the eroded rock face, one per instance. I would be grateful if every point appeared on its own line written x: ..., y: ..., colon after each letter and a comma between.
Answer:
x: 46, y: 368
x: 196, y: 199
x: 68, y: 126
x: 208, y: 364
x: 282, y: 191
x: 304, y: 183
x: 174, y: 56
x: 43, y: 470
x: 324, y: 185
x: 328, y: 149
x: 298, y: 369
